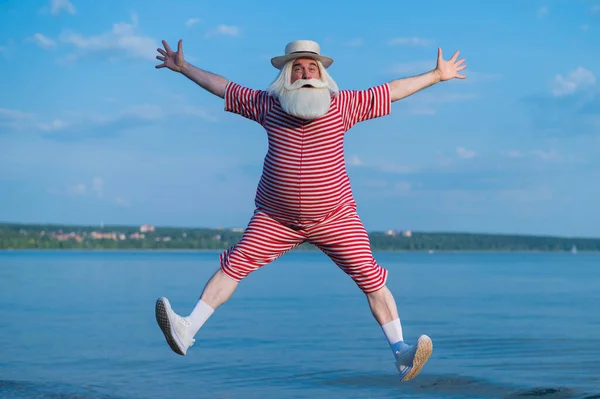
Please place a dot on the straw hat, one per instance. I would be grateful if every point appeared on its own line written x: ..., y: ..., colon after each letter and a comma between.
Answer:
x: 301, y: 48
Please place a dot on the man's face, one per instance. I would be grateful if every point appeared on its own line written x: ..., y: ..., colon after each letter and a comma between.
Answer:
x: 305, y: 95
x: 305, y: 68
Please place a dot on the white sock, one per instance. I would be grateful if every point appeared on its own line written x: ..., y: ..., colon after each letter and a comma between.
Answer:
x: 202, y: 311
x: 393, y: 331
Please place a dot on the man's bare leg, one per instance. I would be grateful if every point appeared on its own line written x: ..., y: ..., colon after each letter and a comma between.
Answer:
x: 180, y: 331
x: 218, y: 289
x: 383, y: 305
x: 384, y: 309
x: 409, y: 358
x: 216, y: 292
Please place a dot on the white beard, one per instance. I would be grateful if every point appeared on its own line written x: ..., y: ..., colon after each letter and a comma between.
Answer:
x: 305, y: 102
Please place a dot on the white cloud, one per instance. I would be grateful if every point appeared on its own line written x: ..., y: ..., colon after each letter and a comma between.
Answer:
x: 577, y: 79
x: 443, y: 161
x: 402, y: 186
x: 55, y: 125
x: 542, y: 11
x: 584, y: 27
x: 443, y: 98
x: 513, y: 154
x: 43, y: 41
x: 98, y: 186
x: 395, y: 168
x: 355, y: 161
x: 546, y: 155
x: 531, y: 195
x: 425, y: 103
x: 123, y: 40
x: 410, y: 41
x: 477, y: 77
x: 78, y: 189
x: 386, y: 166
x: 375, y: 183
x: 413, y: 67
x: 423, y: 111
x: 224, y: 30
x: 191, y: 22
x: 57, y: 6
x: 122, y: 202
x: 595, y: 8
x: 17, y: 121
x: 464, y: 153
x: 354, y: 43
x: 144, y: 112
x: 388, y: 187
x: 199, y: 112
x: 7, y: 50
x: 13, y: 114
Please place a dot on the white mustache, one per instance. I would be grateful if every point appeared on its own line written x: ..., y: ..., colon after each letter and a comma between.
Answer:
x: 305, y: 103
x: 316, y: 83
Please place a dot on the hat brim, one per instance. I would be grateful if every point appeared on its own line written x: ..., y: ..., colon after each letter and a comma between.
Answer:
x: 279, y: 62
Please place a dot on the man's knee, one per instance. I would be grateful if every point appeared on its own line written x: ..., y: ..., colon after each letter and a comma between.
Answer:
x: 230, y: 274
x: 237, y: 266
x: 378, y: 293
x: 370, y: 278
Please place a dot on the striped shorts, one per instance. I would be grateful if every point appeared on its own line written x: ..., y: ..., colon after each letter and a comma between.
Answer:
x: 341, y: 236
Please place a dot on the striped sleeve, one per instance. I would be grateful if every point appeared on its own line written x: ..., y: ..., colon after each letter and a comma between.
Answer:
x: 361, y: 105
x: 249, y: 103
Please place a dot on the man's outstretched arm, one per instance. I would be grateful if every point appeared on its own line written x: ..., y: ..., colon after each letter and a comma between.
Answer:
x: 445, y: 70
x: 175, y: 61
x: 207, y: 80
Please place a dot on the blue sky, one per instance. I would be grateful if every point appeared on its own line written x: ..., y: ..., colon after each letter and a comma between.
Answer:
x: 91, y: 132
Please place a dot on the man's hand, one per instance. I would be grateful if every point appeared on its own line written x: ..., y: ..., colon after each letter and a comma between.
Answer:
x: 172, y: 60
x: 450, y: 69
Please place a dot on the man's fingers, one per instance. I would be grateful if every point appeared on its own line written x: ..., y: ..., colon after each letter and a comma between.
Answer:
x: 166, y: 46
x: 163, y: 52
x: 158, y: 57
x: 439, y: 53
x: 461, y: 68
x: 454, y: 56
x: 179, y: 46
x: 460, y: 61
x: 160, y: 66
x: 460, y: 76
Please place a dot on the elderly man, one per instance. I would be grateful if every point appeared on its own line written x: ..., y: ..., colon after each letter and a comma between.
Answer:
x: 304, y: 193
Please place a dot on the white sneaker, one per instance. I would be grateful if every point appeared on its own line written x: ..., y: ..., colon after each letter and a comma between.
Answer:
x: 411, y: 358
x: 174, y: 327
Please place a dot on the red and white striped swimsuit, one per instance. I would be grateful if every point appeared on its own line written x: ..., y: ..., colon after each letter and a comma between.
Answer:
x: 304, y: 185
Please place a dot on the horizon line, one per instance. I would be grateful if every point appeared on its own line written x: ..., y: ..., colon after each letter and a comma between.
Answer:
x: 102, y: 225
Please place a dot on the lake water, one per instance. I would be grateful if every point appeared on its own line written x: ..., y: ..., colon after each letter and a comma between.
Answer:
x: 81, y: 325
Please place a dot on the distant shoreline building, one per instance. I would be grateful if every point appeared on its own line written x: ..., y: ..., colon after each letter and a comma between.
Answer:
x: 395, y: 233
x: 147, y: 228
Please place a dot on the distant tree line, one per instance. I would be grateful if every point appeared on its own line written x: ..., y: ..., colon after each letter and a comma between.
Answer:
x: 38, y: 236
